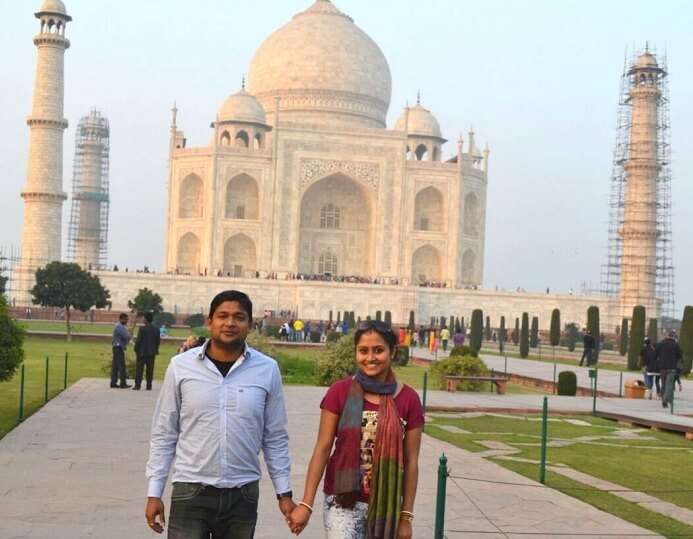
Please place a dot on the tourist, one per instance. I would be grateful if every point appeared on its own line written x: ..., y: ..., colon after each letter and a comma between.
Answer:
x: 422, y: 336
x: 190, y: 342
x: 372, y: 417
x: 121, y: 338
x: 209, y: 396
x: 587, y: 348
x: 298, y: 330
x: 669, y: 359
x: 345, y: 327
x: 306, y: 331
x: 444, y: 338
x: 458, y: 337
x: 650, y: 369
x: 146, y: 349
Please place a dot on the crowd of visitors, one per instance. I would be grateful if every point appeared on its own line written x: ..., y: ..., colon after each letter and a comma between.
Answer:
x: 661, y: 366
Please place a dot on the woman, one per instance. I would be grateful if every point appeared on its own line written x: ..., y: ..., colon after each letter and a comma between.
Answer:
x: 376, y: 423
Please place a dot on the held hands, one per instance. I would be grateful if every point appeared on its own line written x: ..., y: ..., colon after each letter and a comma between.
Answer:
x: 404, y: 530
x: 286, y: 507
x: 299, y: 519
x: 154, y: 509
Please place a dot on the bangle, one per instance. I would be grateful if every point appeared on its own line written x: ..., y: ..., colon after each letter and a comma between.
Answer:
x: 406, y: 515
x: 304, y: 504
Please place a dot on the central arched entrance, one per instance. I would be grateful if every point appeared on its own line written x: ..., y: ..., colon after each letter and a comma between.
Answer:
x: 337, y: 226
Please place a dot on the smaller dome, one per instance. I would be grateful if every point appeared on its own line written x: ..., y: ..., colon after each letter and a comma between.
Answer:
x: 53, y: 6
x: 421, y: 122
x: 646, y: 60
x: 242, y: 107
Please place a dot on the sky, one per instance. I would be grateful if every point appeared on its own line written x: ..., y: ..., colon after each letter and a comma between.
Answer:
x: 537, y: 79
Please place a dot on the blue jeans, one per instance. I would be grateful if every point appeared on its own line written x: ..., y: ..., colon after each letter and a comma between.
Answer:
x: 204, y: 512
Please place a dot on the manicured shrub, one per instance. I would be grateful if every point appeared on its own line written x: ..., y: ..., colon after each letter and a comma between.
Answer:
x: 488, y: 332
x: 516, y: 332
x: 623, y: 343
x: 652, y: 331
x: 195, y: 320
x: 402, y: 358
x: 337, y: 362
x: 388, y: 318
x: 501, y: 335
x: 686, y: 339
x: 593, y: 326
x: 567, y: 383
x: 459, y: 366
x: 412, y: 322
x: 463, y: 350
x: 637, y: 336
x: 11, y: 343
x: 534, y: 333
x: 524, y: 336
x: 332, y: 336
x: 555, y: 333
x: 477, y: 329
x: 379, y: 315
x: 164, y: 319
x: 570, y: 336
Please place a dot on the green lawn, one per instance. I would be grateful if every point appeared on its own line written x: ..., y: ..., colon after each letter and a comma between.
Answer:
x: 659, y: 463
x: 87, y: 327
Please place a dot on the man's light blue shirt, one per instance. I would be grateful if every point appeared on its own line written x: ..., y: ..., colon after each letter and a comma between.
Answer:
x: 121, y: 336
x: 216, y: 426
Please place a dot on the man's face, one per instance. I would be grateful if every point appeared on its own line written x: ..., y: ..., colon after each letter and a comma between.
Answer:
x: 124, y: 320
x: 229, y: 325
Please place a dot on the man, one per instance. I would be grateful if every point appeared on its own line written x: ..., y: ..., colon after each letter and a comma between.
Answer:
x: 445, y: 337
x: 668, y: 357
x: 121, y: 338
x: 146, y: 349
x: 650, y: 369
x: 298, y: 330
x: 587, y: 348
x: 220, y: 404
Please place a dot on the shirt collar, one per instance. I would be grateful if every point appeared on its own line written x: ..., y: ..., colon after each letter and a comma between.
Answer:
x: 203, y: 351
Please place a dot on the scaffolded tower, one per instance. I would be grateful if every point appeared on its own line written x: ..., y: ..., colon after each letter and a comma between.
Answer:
x: 88, y: 229
x: 639, y: 269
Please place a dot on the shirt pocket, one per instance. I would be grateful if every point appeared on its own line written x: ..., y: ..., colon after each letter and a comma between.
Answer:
x: 250, y: 400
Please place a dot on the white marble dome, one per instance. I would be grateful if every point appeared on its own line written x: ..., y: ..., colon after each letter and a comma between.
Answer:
x: 242, y: 107
x: 421, y: 122
x: 53, y: 6
x: 646, y: 60
x: 325, y: 69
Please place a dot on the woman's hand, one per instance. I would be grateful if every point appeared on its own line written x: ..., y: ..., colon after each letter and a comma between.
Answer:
x: 299, y: 519
x: 404, y: 531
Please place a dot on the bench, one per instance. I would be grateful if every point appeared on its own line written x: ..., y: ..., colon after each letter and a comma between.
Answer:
x: 498, y: 381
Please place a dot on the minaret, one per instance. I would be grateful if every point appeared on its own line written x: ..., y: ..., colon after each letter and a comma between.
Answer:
x: 43, y: 192
x: 639, y: 231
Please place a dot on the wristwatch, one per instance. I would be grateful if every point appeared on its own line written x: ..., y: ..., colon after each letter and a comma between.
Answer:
x: 287, y: 494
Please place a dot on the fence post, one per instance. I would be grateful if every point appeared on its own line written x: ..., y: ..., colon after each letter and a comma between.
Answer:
x: 45, y: 389
x: 65, y: 377
x: 673, y: 393
x: 544, y: 436
x: 620, y: 384
x: 440, y: 497
x: 506, y: 364
x: 425, y: 394
x: 20, y: 417
x: 594, y: 393
x: 554, y: 377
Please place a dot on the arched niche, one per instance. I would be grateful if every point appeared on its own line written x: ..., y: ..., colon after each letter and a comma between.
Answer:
x: 426, y: 265
x: 468, y: 267
x: 471, y: 215
x: 336, y: 211
x: 429, y: 210
x: 225, y: 139
x: 242, y: 139
x: 242, y: 198
x: 188, y: 254
x: 240, y: 255
x: 190, y: 197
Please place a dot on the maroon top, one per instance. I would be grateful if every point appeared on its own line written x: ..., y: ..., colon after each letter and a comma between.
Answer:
x: 410, y: 411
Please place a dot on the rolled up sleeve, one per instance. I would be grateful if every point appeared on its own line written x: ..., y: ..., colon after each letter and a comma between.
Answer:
x: 275, y: 440
x: 164, y: 434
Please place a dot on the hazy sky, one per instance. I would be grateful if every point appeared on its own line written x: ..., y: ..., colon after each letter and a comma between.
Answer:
x: 538, y: 80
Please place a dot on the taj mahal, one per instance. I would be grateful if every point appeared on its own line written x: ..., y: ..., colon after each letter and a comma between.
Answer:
x: 303, y: 196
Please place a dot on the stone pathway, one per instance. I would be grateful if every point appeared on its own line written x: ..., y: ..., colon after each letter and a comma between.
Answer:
x: 75, y: 470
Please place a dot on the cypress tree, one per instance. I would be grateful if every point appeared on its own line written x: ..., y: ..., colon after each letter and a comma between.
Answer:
x: 593, y: 326
x: 652, y: 331
x: 442, y: 322
x: 464, y: 328
x: 524, y: 336
x: 534, y: 334
x: 637, y: 336
x: 412, y: 324
x: 477, y: 329
x: 339, y: 314
x: 388, y: 318
x: 489, y: 333
x: 501, y: 335
x: 555, y: 335
x: 516, y: 332
x: 330, y: 318
x: 378, y: 315
x: 686, y: 339
x: 623, y: 343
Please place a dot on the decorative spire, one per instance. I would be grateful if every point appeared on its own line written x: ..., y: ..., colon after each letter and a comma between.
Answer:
x: 174, y: 115
x: 243, y: 83
x: 418, y: 98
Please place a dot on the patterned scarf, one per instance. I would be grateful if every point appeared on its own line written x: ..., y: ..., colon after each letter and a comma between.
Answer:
x: 388, y: 456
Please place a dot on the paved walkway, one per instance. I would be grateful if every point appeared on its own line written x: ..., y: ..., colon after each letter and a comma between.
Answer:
x: 75, y: 469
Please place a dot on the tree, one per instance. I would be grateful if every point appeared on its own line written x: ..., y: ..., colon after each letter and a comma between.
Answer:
x: 623, y: 343
x: 379, y: 315
x: 534, y: 334
x: 477, y: 329
x: 488, y: 334
x: 501, y: 335
x: 11, y: 343
x: 195, y: 320
x: 329, y: 320
x: 146, y: 301
x: 67, y: 286
x: 412, y: 325
x: 3, y: 284
x: 571, y: 335
x: 686, y: 339
x: 516, y: 332
x: 593, y: 326
x: 637, y: 336
x: 443, y: 322
x: 652, y: 331
x: 524, y: 336
x: 555, y: 333
x: 462, y: 326
x: 388, y: 318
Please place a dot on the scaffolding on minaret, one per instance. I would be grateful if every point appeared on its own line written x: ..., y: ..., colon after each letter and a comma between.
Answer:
x: 615, y: 265
x: 88, y: 228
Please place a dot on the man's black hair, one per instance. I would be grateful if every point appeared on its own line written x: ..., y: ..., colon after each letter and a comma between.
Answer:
x: 149, y: 317
x: 232, y: 295
x: 122, y: 316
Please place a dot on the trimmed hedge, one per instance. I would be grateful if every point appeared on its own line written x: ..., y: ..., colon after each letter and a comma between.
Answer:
x: 459, y: 366
x: 567, y: 383
x: 637, y: 336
